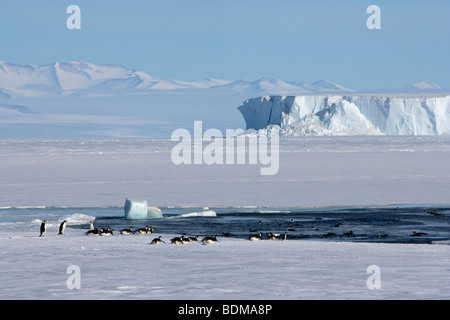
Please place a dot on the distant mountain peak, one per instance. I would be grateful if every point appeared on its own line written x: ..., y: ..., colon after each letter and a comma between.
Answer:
x: 425, y: 85
x: 327, y: 85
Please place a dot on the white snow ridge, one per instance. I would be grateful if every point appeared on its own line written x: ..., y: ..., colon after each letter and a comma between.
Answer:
x: 349, y: 115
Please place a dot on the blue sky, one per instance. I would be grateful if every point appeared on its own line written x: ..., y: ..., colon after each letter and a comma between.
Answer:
x: 301, y: 41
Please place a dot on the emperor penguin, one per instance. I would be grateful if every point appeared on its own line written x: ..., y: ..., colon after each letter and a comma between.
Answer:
x: 142, y: 230
x: 418, y: 234
x: 127, y: 231
x: 157, y: 241
x: 255, y: 237
x: 107, y: 232
x: 177, y: 240
x: 94, y: 232
x: 62, y: 227
x: 272, y: 236
x: 349, y: 234
x: 43, y: 228
x: 192, y: 239
x: 211, y: 239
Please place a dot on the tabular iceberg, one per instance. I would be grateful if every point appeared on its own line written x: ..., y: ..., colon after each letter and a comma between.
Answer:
x: 349, y: 114
x: 137, y: 210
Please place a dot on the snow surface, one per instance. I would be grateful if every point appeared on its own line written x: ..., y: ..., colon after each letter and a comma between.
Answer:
x: 128, y: 267
x: 349, y: 115
x: 313, y: 171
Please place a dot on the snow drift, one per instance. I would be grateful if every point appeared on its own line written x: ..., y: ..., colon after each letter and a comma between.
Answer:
x: 349, y: 114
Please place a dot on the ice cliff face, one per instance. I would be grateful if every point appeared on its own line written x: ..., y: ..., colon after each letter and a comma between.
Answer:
x: 349, y: 115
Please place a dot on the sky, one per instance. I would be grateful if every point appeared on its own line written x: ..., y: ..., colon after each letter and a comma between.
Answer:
x: 299, y: 41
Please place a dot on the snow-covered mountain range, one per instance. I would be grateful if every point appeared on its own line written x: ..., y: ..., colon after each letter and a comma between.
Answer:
x: 76, y: 78
x: 349, y: 114
x: 88, y: 79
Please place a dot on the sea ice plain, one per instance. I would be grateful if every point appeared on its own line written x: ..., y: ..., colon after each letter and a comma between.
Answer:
x: 313, y: 171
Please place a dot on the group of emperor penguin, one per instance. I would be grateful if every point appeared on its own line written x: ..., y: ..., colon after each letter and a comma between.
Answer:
x: 62, y: 228
x: 272, y: 236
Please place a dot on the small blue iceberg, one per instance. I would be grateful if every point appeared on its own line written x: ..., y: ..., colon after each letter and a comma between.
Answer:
x: 139, y: 210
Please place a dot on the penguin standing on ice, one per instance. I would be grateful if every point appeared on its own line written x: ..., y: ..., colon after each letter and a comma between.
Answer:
x: 43, y: 228
x: 62, y: 227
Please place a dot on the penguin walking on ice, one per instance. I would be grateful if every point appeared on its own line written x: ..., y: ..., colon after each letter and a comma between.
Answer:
x: 43, y: 228
x: 62, y: 227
